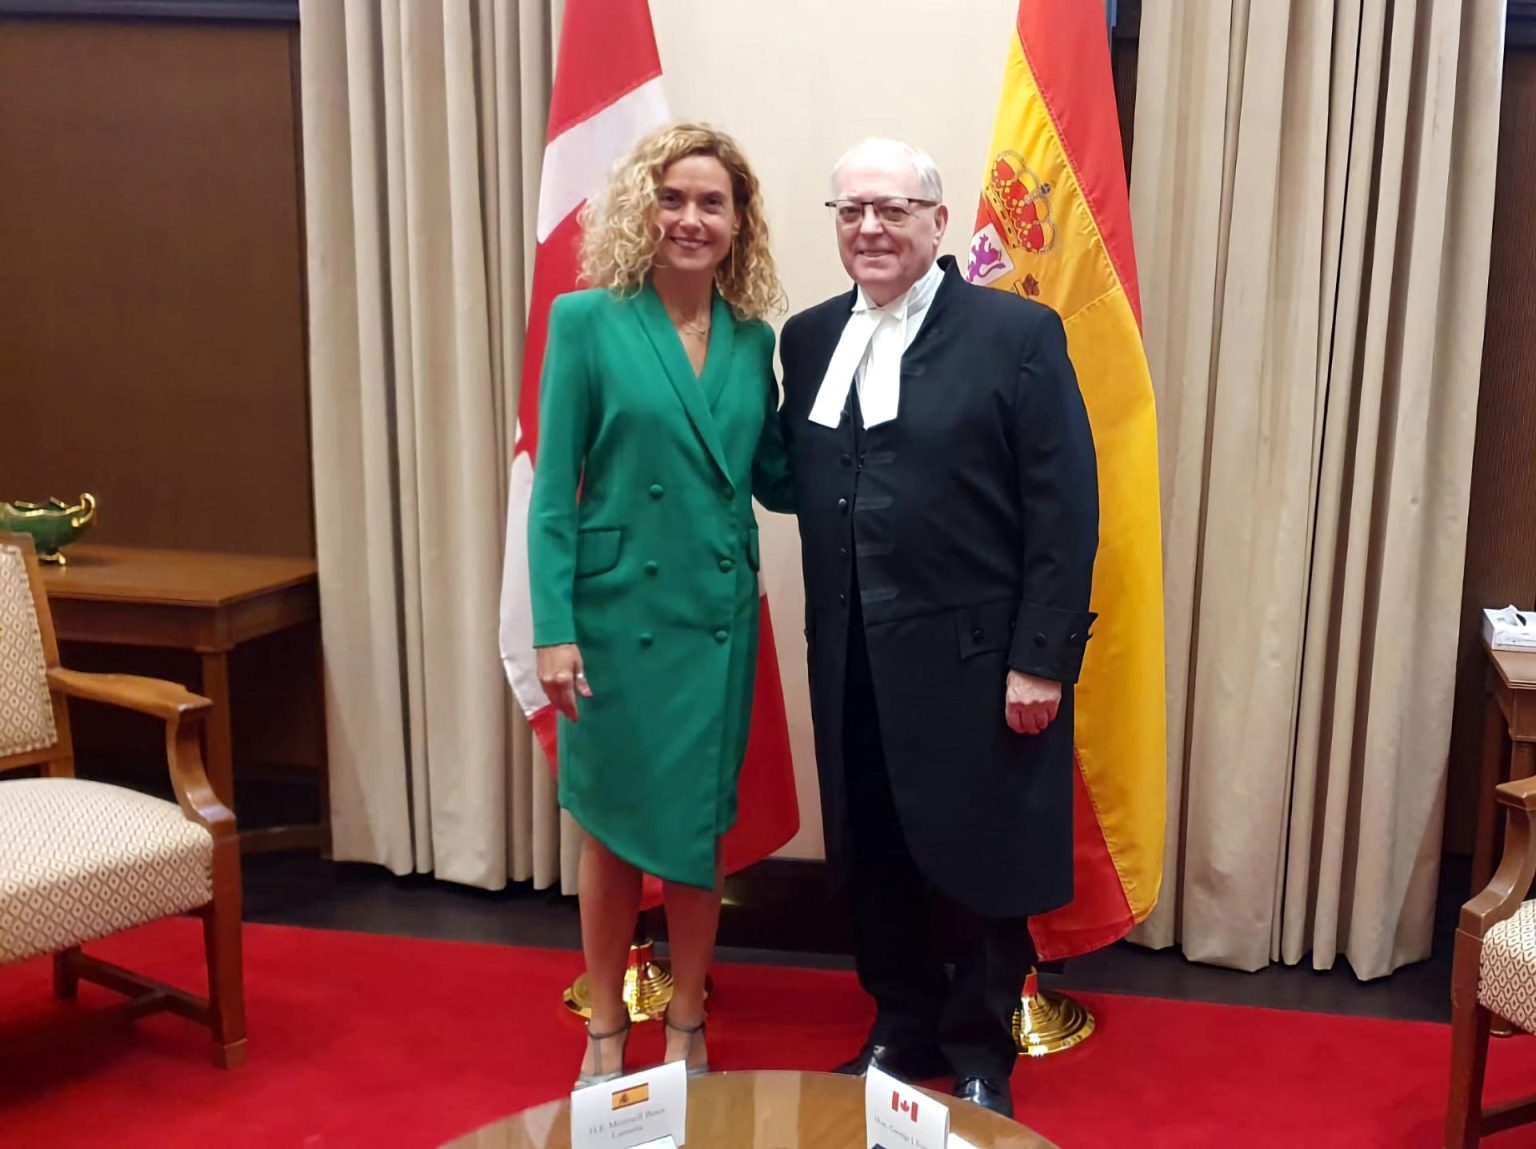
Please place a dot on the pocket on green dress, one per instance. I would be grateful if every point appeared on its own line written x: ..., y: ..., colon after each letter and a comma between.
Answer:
x: 597, y: 550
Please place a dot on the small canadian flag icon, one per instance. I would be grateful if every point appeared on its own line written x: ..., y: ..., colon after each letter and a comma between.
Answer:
x: 900, y: 1106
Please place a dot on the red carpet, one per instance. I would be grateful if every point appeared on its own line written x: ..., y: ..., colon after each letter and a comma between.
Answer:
x: 364, y: 1040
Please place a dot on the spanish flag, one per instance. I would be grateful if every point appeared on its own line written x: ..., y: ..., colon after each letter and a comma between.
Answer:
x: 1054, y: 224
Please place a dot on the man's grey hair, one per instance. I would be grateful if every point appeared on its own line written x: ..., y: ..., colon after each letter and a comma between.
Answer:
x: 928, y: 180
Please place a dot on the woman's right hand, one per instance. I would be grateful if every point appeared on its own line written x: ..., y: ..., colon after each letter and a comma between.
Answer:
x: 561, y: 676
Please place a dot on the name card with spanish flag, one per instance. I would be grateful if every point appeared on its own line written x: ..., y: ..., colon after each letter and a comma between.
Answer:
x: 641, y: 1109
x: 897, y: 1116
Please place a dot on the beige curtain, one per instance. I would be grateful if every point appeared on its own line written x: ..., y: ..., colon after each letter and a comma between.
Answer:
x: 423, y: 125
x: 1312, y: 195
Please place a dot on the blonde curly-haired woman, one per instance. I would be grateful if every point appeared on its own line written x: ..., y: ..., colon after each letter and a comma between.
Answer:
x: 657, y: 427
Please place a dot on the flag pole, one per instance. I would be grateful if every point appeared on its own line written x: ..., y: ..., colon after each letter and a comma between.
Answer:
x: 1047, y: 1023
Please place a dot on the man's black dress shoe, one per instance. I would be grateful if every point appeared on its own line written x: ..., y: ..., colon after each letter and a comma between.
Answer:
x: 909, y: 1065
x: 987, y: 1093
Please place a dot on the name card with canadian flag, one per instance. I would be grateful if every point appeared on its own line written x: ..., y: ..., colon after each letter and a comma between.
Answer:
x: 897, y: 1116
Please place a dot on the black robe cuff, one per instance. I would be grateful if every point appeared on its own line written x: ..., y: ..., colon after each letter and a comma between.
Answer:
x: 1048, y: 643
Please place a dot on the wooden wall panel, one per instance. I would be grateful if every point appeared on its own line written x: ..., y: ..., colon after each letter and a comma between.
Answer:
x: 1501, y: 531
x: 152, y: 329
x: 151, y: 282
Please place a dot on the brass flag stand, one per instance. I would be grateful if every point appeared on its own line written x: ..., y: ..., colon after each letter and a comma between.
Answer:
x: 1044, y: 1023
x: 647, y: 982
x: 647, y: 985
x: 1048, y: 1023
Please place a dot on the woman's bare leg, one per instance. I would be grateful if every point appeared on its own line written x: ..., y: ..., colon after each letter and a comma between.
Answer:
x: 693, y: 919
x: 609, y: 891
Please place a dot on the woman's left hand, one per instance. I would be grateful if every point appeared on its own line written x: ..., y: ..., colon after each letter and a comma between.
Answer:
x: 562, y: 677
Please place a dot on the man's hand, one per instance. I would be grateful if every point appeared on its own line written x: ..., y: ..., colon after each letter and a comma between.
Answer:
x: 1032, y: 702
x: 561, y: 676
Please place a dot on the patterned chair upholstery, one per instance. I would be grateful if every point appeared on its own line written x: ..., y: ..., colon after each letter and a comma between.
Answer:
x: 1493, y: 974
x: 25, y: 700
x: 80, y: 860
x: 1506, y: 983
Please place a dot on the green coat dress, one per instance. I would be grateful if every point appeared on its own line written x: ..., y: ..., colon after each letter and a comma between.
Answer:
x: 652, y: 570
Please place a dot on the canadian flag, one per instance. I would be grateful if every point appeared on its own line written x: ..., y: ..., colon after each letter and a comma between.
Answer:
x: 607, y: 94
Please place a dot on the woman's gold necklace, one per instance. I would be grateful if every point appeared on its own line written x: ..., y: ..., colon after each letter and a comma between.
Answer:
x: 697, y: 327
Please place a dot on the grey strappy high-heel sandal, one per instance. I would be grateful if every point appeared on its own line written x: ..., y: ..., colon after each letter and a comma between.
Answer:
x: 599, y: 1075
x: 689, y: 1031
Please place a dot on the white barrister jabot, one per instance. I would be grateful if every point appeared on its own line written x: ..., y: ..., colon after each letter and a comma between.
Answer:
x: 873, y: 342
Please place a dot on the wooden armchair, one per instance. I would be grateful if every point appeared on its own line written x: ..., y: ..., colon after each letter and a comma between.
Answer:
x: 80, y: 860
x: 1494, y: 974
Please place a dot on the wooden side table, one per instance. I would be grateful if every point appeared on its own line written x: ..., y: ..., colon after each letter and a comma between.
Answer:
x: 203, y: 602
x: 1509, y: 717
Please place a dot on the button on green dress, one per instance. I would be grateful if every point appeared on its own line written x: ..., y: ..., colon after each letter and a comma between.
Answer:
x: 652, y: 570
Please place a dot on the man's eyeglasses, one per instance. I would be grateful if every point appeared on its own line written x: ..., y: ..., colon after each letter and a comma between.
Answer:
x: 895, y: 210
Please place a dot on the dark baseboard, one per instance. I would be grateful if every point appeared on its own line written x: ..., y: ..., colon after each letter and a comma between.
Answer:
x: 784, y: 904
x: 266, y: 794
x: 790, y: 906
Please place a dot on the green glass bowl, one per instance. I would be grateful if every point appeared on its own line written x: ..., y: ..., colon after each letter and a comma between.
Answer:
x: 52, y: 525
